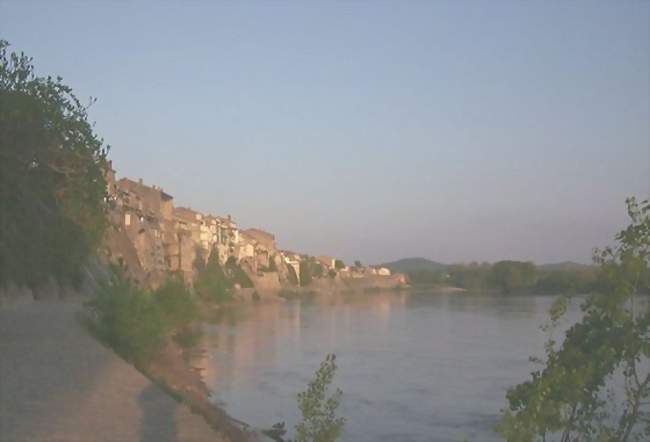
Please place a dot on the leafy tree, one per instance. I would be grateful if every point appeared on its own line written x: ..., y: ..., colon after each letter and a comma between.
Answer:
x: 176, y: 303
x: 338, y: 264
x: 310, y: 268
x: 133, y: 321
x: 566, y: 281
x: 236, y: 274
x: 305, y: 272
x: 427, y: 277
x: 52, y: 187
x: 511, y: 276
x: 127, y: 318
x: 211, y: 283
x: 319, y: 422
x: 571, y: 398
x: 471, y: 277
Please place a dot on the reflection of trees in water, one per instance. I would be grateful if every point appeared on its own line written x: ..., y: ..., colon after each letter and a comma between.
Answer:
x: 256, y: 335
x: 503, y: 306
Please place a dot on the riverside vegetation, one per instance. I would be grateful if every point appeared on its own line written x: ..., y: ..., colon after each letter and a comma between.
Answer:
x: 511, y: 277
x: 52, y: 217
x: 573, y: 396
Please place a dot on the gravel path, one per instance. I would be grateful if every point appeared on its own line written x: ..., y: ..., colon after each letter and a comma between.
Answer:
x: 57, y: 384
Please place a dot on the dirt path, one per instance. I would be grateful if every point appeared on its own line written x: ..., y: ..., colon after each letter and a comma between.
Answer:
x: 58, y: 384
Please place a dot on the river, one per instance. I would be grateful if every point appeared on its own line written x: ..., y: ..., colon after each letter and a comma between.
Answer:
x: 413, y: 367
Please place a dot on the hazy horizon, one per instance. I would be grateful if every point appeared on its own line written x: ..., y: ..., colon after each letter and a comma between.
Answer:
x: 374, y: 131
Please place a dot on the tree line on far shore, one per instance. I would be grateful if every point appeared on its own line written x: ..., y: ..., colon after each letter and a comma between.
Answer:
x: 518, y: 277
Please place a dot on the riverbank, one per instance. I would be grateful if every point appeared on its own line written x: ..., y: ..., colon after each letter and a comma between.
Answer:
x: 57, y: 383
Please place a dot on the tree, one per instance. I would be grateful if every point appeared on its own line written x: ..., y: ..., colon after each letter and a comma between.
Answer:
x: 511, y: 276
x: 52, y: 187
x: 306, y: 274
x: 338, y: 264
x: 471, y: 277
x: 572, y: 398
x: 211, y: 282
x: 319, y: 422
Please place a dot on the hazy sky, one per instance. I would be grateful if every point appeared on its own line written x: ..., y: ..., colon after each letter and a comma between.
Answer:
x: 370, y: 130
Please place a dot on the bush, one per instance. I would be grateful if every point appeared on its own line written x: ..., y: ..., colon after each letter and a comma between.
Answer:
x: 211, y: 283
x: 236, y: 274
x: 305, y: 272
x: 319, y: 422
x: 133, y: 321
x: 128, y: 319
x: 177, y: 306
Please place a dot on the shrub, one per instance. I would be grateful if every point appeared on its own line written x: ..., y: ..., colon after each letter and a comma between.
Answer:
x: 211, y: 283
x: 237, y: 274
x: 319, y: 422
x: 127, y: 319
x: 133, y: 321
x: 177, y: 306
x: 305, y: 273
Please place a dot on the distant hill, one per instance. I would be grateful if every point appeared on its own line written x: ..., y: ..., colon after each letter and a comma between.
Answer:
x: 565, y: 266
x: 411, y: 265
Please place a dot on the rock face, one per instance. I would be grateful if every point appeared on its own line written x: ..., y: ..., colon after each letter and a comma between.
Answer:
x: 151, y: 238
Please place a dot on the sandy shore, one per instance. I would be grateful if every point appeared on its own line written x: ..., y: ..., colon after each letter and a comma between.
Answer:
x: 57, y: 384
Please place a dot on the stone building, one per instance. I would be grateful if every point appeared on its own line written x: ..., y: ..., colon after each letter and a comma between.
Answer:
x: 151, y: 238
x: 137, y: 235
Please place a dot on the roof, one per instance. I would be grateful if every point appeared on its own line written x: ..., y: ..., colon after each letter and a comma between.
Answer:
x: 264, y: 238
x: 186, y: 214
x: 150, y: 196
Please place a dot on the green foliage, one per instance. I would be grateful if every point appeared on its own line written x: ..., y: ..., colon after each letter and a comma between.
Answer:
x: 427, y: 277
x: 310, y: 268
x: 566, y: 281
x: 319, y: 422
x: 305, y: 274
x: 272, y: 265
x: 515, y: 277
x: 512, y: 276
x: 211, y: 283
x: 177, y: 306
x: 471, y: 277
x: 134, y: 321
x: 338, y: 264
x: 127, y: 318
x: 567, y: 399
x: 236, y: 274
x: 52, y: 187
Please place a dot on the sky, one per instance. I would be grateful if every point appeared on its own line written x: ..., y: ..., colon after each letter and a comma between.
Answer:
x: 370, y: 130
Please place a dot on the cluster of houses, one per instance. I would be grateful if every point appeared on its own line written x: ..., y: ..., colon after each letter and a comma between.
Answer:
x: 152, y: 238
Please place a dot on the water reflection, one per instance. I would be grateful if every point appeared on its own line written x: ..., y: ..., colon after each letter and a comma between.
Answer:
x: 413, y: 367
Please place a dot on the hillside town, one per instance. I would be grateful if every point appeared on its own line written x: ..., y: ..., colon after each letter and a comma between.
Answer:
x: 152, y: 238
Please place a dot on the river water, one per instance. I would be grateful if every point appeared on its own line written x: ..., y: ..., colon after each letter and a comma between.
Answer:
x: 412, y: 366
